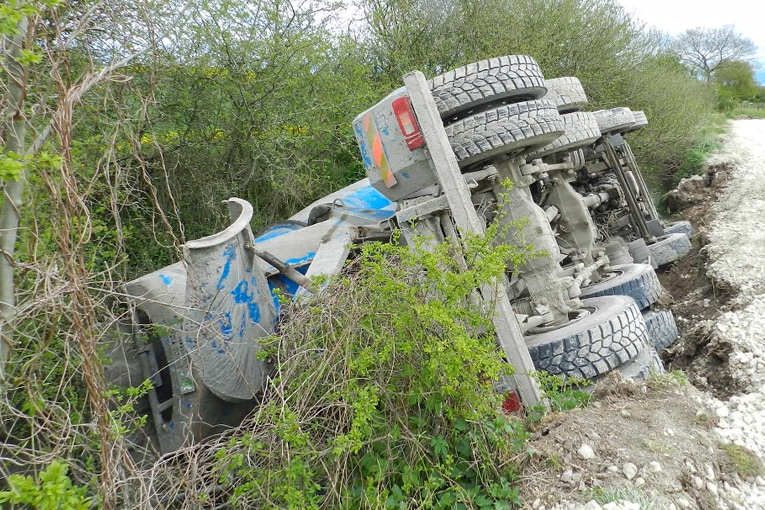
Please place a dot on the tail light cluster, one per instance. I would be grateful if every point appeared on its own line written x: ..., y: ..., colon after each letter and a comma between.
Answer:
x: 402, y: 109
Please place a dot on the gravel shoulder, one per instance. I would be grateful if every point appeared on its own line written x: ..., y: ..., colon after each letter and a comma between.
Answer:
x: 694, y: 438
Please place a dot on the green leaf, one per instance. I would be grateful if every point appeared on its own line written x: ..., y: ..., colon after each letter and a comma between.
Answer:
x: 461, y: 425
x: 483, y: 502
x: 11, y: 167
x: 29, y: 57
x: 440, y: 446
x: 463, y: 448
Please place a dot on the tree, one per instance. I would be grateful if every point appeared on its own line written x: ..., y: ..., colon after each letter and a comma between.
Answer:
x: 736, y: 80
x: 263, y: 93
x: 704, y: 50
x: 55, y: 55
x: 12, y: 137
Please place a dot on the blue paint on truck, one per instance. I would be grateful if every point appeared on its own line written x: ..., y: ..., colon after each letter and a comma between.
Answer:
x: 369, y: 202
x: 241, y: 294
x: 230, y: 254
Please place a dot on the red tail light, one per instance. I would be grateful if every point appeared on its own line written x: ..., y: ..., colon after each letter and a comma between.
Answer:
x: 402, y: 108
x: 512, y: 402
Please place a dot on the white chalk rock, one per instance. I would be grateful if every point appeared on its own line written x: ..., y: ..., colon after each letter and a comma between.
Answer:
x: 629, y: 470
x: 585, y: 452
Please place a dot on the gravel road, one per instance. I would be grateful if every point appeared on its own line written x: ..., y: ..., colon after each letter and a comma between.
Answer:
x: 737, y: 249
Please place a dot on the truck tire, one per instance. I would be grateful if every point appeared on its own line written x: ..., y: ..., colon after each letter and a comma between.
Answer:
x: 581, y: 130
x: 645, y: 364
x: 639, y: 251
x: 511, y: 78
x: 638, y: 281
x: 678, y: 227
x: 566, y: 93
x: 610, y: 335
x: 661, y: 328
x: 669, y: 248
x: 508, y: 129
x: 614, y: 120
x: 641, y: 121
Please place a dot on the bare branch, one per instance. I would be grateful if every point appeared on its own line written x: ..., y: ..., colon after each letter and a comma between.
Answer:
x: 704, y: 50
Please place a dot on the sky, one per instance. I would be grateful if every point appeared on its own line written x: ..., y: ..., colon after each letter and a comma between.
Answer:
x: 677, y: 16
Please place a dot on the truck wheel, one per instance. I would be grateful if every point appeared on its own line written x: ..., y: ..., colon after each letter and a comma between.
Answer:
x: 678, y: 227
x: 669, y: 248
x: 641, y: 121
x: 638, y: 281
x: 487, y: 82
x: 661, y: 328
x: 507, y: 129
x: 639, y: 251
x: 614, y: 120
x: 566, y: 93
x: 611, y: 333
x: 581, y: 130
x: 645, y: 364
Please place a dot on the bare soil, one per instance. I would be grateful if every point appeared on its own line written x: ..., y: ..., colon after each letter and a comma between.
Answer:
x: 697, y: 299
x: 663, y: 422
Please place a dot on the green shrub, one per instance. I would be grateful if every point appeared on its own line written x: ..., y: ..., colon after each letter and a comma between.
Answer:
x: 563, y: 395
x: 384, y: 391
x: 52, y: 490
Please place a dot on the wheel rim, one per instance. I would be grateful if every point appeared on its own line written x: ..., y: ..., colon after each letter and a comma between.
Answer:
x: 573, y: 316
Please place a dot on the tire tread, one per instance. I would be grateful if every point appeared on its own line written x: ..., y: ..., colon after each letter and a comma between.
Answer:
x: 594, y: 350
x: 485, y: 82
x: 661, y: 328
x: 513, y: 128
x: 642, y: 285
x: 580, y: 130
x: 614, y: 120
x: 567, y: 94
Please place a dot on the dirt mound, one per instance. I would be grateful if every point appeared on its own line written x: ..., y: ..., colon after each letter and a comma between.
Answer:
x: 693, y: 195
x: 697, y: 302
x: 697, y: 299
x: 649, y: 442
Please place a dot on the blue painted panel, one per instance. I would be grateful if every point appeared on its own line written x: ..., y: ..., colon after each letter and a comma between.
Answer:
x: 369, y: 202
x: 277, y: 230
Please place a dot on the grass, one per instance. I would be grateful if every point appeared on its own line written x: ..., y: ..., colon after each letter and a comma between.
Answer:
x: 671, y: 379
x: 743, y: 461
x: 604, y: 495
x: 657, y: 447
x: 680, y: 377
x: 706, y: 143
x: 554, y: 462
x: 746, y: 113
x: 705, y: 420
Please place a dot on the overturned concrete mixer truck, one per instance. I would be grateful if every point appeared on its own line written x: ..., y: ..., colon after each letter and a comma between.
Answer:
x: 588, y: 306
